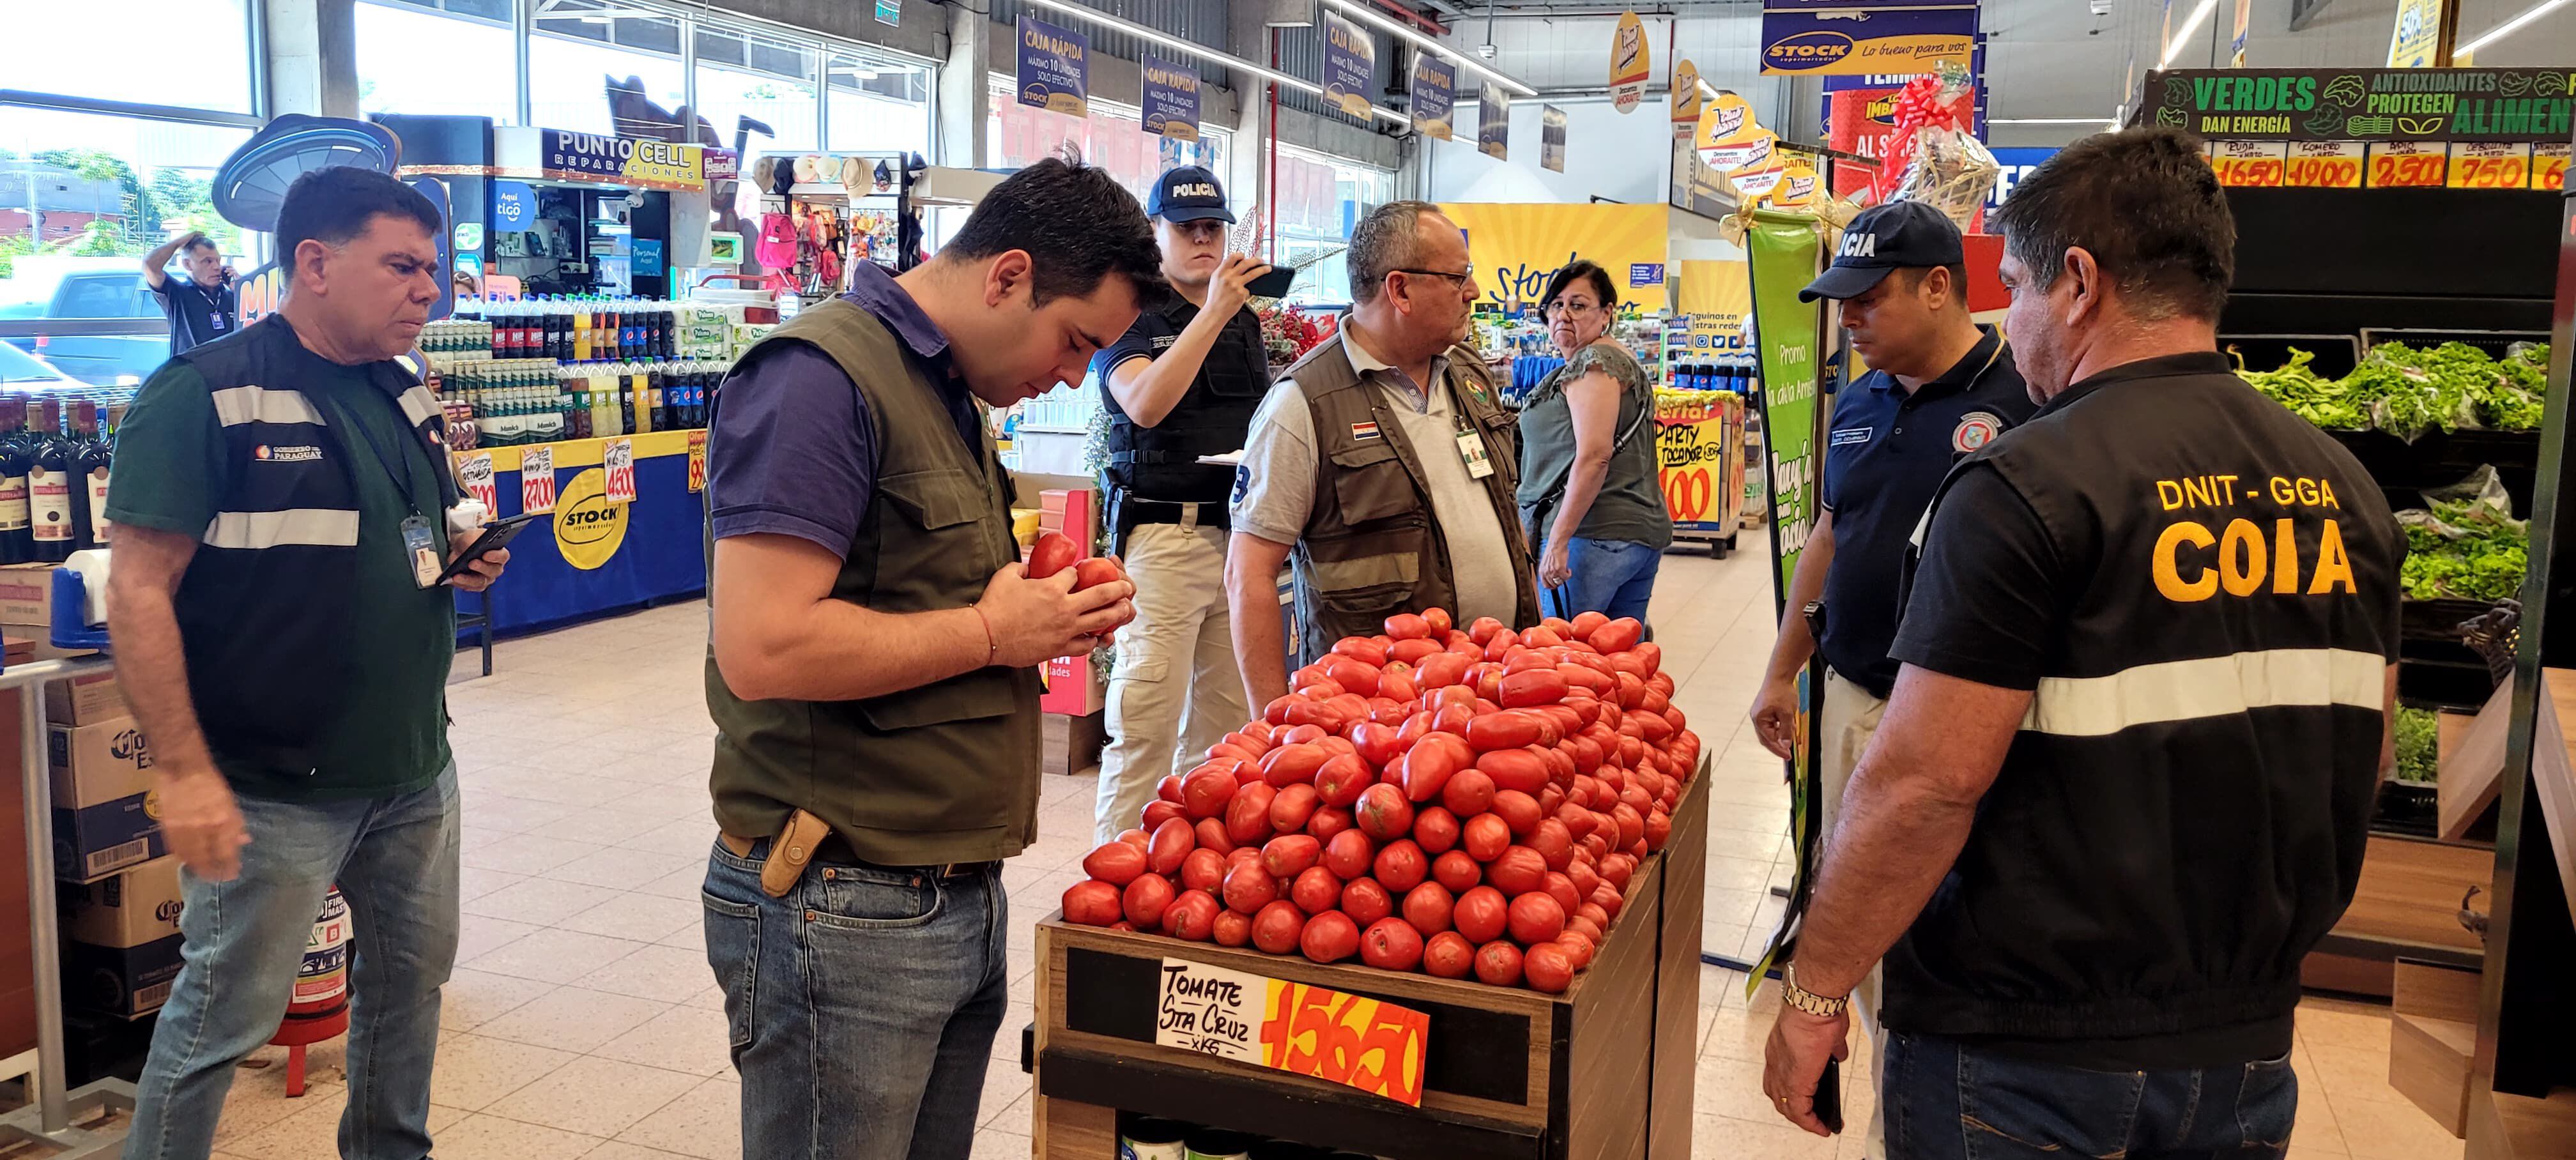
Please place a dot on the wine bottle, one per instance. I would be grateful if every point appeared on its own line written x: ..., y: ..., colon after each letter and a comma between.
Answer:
x: 17, y: 542
x: 90, y: 464
x: 49, y: 483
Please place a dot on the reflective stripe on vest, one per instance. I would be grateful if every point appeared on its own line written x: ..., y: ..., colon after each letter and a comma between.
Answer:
x: 2207, y: 687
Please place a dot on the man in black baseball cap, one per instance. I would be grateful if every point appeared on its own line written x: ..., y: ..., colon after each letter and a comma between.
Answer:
x: 1939, y: 387
x: 1181, y: 384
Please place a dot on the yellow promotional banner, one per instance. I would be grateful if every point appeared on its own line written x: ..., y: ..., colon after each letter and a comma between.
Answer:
x: 1726, y: 121
x: 1516, y: 245
x: 1717, y: 287
x: 1686, y: 101
x: 1797, y: 187
x: 2418, y: 33
x: 1629, y: 63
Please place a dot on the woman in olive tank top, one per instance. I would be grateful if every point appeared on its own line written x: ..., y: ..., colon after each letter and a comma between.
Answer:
x: 1588, y: 494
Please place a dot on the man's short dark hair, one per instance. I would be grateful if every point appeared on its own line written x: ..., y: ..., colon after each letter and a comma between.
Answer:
x: 2145, y: 203
x: 1388, y: 239
x: 1077, y: 224
x: 1914, y: 275
x: 336, y: 204
x: 201, y: 242
x: 1581, y: 269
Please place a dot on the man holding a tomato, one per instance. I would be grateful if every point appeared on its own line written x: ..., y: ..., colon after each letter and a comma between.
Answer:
x: 2123, y: 785
x: 872, y: 666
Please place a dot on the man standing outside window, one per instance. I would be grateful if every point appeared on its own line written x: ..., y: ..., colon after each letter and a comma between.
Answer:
x: 1182, y: 384
x: 202, y: 306
x: 2123, y: 785
x: 282, y: 509
x: 1939, y: 387
x: 872, y: 666
x: 1384, y: 461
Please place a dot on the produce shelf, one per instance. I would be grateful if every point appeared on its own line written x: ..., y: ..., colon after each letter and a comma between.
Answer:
x: 1606, y: 1069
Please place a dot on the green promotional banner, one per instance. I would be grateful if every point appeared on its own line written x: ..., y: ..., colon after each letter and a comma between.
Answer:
x: 1784, y: 247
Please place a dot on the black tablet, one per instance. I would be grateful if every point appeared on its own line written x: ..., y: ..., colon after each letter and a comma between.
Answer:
x: 1274, y: 284
x: 496, y: 535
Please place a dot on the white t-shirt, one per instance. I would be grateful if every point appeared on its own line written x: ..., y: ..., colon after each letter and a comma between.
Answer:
x: 1274, y: 490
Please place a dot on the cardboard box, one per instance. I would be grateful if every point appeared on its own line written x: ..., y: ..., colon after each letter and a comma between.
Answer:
x: 92, y: 699
x: 130, y: 908
x: 27, y: 594
x: 1073, y: 744
x: 129, y: 982
x: 104, y: 817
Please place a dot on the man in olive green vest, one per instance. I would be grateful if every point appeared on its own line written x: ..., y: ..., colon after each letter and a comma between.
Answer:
x: 1384, y: 461
x: 872, y: 666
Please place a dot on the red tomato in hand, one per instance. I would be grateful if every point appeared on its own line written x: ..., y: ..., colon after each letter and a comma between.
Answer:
x: 1093, y: 903
x: 1481, y: 914
x: 1095, y: 571
x: 1277, y: 927
x: 1330, y: 937
x: 1054, y: 552
x: 1449, y: 955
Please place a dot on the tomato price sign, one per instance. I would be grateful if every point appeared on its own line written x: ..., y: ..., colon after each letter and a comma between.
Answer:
x: 617, y: 457
x: 2323, y: 165
x: 2490, y: 165
x: 2248, y: 163
x: 537, y: 479
x: 1373, y: 1046
x: 2406, y: 164
x: 2549, y: 165
x: 474, y: 478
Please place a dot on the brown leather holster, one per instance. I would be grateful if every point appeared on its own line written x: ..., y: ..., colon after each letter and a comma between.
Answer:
x: 788, y: 855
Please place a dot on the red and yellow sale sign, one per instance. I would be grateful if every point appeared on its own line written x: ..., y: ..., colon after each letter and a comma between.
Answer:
x: 1366, y: 1044
x: 2256, y: 164
x: 2490, y: 165
x: 2549, y: 164
x: 2405, y: 164
x: 2324, y: 165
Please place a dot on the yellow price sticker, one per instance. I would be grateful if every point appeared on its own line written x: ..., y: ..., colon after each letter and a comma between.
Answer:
x: 2489, y: 165
x: 2406, y: 164
x: 2549, y: 165
x: 2247, y: 163
x: 1373, y: 1046
x: 2323, y: 165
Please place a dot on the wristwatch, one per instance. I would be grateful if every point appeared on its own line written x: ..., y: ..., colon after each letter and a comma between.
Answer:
x: 1806, y: 1000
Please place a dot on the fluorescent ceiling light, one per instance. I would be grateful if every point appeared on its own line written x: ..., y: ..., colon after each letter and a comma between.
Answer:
x: 1203, y: 52
x: 1370, y: 16
x: 2191, y: 25
x: 2500, y: 31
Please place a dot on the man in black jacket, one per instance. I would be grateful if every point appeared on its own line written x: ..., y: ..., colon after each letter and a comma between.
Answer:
x: 2123, y: 784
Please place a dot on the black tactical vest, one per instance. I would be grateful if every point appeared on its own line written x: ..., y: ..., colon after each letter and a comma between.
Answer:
x: 1161, y: 462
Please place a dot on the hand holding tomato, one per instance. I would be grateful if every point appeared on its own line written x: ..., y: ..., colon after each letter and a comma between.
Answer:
x: 1035, y: 621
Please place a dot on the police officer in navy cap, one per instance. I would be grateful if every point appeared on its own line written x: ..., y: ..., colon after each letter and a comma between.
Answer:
x: 1939, y: 386
x: 1181, y: 384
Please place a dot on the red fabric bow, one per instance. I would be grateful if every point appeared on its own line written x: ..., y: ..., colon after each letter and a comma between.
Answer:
x: 1918, y: 104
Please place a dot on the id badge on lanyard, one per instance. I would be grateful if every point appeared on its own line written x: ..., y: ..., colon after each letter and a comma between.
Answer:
x: 421, y: 549
x: 1471, y: 443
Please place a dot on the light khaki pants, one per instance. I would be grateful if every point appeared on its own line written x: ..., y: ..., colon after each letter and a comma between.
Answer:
x: 1850, y: 718
x: 1175, y: 689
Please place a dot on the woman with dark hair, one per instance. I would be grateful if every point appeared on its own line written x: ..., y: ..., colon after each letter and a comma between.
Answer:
x: 1588, y: 493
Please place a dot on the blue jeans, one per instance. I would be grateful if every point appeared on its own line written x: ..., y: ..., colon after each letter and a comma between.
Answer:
x: 1611, y: 577
x: 862, y: 1005
x: 395, y: 862
x: 1945, y: 1101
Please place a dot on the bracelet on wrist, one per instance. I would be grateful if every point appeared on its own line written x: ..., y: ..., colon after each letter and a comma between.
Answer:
x: 992, y: 644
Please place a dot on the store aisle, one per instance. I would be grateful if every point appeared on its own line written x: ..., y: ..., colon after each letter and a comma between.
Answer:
x: 582, y: 1021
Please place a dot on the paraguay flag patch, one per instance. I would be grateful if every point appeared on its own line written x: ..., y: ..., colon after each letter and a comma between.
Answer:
x: 1364, y: 431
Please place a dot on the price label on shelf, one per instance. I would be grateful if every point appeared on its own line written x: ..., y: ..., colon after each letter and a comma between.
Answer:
x: 1373, y: 1046
x: 2247, y: 163
x: 2406, y: 164
x: 474, y: 478
x: 2323, y: 165
x: 697, y: 462
x: 2549, y: 165
x: 2490, y: 165
x: 537, y: 479
x: 617, y: 460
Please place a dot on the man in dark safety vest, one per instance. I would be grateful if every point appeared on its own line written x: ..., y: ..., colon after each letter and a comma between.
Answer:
x: 1385, y: 461
x: 1182, y: 384
x: 871, y: 666
x: 2123, y: 784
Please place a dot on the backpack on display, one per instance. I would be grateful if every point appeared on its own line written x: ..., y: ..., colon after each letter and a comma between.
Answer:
x: 776, y: 249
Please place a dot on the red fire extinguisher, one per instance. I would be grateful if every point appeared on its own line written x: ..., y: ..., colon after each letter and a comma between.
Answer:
x: 319, y: 1009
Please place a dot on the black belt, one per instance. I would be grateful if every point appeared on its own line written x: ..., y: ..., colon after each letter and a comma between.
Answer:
x: 833, y: 851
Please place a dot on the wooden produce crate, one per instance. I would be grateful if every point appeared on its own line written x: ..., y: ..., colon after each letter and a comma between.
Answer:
x: 1604, y: 1070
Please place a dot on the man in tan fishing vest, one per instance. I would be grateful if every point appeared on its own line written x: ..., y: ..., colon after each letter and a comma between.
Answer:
x: 1384, y: 461
x: 872, y: 667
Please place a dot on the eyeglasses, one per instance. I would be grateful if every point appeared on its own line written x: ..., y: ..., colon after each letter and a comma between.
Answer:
x: 1466, y: 277
x: 1569, y: 309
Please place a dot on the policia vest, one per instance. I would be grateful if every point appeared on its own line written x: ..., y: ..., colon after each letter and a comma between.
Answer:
x: 1160, y: 464
x: 947, y: 772
x: 2181, y: 816
x: 268, y: 593
x: 1372, y: 545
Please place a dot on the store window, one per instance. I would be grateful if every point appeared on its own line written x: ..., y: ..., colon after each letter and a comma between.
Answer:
x: 874, y: 106
x: 430, y: 57
x: 590, y: 61
x: 82, y: 197
x: 747, y: 77
x: 191, y: 54
x: 1113, y: 138
x: 1320, y: 199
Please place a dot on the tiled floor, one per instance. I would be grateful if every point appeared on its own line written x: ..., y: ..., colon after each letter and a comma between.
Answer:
x: 582, y: 1021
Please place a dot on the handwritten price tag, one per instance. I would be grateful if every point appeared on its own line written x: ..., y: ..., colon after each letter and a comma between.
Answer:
x: 474, y: 477
x: 697, y: 462
x: 1360, y: 1043
x: 2247, y: 163
x: 2490, y: 165
x: 2549, y: 165
x: 617, y: 457
x: 2323, y: 165
x: 2406, y: 164
x: 537, y: 479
